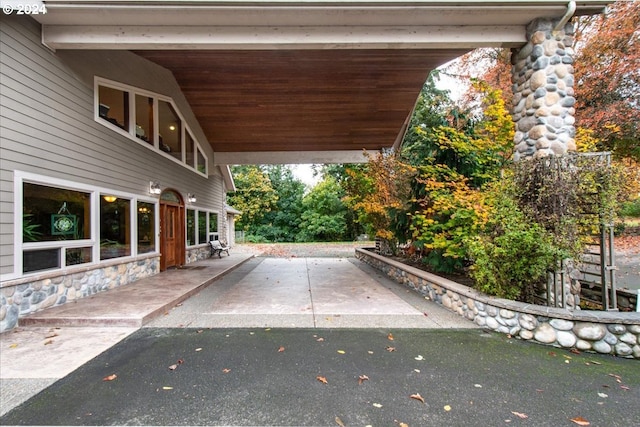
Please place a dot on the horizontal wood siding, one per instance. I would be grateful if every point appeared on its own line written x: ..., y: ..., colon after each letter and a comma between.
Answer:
x: 47, y: 125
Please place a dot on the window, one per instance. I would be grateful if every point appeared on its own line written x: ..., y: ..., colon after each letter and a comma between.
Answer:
x: 146, y: 227
x: 51, y: 214
x: 55, y: 215
x: 213, y: 226
x: 144, y: 118
x: 114, y: 106
x: 115, y: 227
x: 191, y: 227
x: 201, y: 166
x: 59, y: 218
x: 149, y: 119
x: 202, y: 227
x: 189, y: 150
x: 170, y: 130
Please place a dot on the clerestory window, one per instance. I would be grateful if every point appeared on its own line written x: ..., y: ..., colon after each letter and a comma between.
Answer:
x: 149, y: 119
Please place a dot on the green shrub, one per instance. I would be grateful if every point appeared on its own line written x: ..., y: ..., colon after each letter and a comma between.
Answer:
x: 631, y: 208
x: 512, y: 255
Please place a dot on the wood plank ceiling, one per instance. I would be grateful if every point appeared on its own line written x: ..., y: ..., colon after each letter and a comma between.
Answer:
x: 301, y: 100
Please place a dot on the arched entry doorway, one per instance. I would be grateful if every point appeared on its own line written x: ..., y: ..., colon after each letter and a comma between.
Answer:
x: 172, y: 246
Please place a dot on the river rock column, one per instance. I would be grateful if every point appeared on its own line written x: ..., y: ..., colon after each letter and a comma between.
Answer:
x: 543, y: 102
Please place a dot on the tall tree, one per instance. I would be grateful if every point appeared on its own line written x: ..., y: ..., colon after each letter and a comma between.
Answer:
x: 607, y: 76
x: 324, y: 213
x: 254, y: 195
x: 281, y: 223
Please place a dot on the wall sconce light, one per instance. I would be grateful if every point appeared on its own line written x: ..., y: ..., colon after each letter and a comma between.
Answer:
x: 154, y: 187
x: 109, y: 199
x: 191, y: 198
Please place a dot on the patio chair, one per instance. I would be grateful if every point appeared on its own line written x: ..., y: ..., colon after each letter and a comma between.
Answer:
x: 217, y: 248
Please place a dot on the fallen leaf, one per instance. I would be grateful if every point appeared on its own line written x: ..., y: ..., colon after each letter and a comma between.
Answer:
x: 199, y: 331
x: 110, y: 377
x: 447, y: 408
x: 552, y: 353
x: 199, y: 349
x: 180, y: 361
x: 47, y: 342
x: 416, y: 370
x: 281, y: 349
x: 575, y: 351
x: 603, y: 395
x: 401, y: 424
x: 173, y: 367
x: 167, y: 388
x: 362, y: 378
x: 226, y: 370
x: 596, y: 363
x: 624, y: 387
x: 417, y: 397
x: 51, y: 335
x: 339, y: 422
x: 520, y: 414
x: 477, y: 385
x: 580, y: 421
x: 323, y: 380
x: 617, y: 377
x: 370, y: 352
x: 320, y: 339
x: 419, y: 357
x: 390, y: 336
x: 389, y: 348
x: 377, y: 405
x: 13, y: 345
x: 341, y: 352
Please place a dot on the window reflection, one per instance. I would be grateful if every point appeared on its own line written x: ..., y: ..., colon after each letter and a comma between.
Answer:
x: 170, y: 128
x: 114, y: 106
x: 115, y: 228
x: 146, y: 227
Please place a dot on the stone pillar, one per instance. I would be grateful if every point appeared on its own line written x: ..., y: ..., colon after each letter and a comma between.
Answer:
x: 543, y: 102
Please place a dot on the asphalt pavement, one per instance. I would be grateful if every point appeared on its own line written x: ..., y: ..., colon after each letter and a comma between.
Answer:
x: 299, y: 340
x: 335, y: 377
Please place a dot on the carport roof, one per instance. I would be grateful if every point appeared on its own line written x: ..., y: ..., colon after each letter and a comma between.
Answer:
x: 298, y: 81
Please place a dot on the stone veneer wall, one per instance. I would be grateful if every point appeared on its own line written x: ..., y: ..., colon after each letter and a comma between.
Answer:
x: 616, y: 333
x: 543, y: 102
x: 197, y: 254
x: 21, y: 297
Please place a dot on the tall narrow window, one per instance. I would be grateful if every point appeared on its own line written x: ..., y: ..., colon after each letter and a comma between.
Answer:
x: 114, y: 106
x: 144, y: 118
x: 190, y: 146
x: 115, y: 227
x: 170, y: 130
x: 202, y: 227
x: 202, y: 162
x: 146, y: 227
x: 191, y: 227
x: 213, y: 226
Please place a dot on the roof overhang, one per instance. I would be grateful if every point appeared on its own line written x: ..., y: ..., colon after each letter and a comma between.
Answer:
x: 286, y: 81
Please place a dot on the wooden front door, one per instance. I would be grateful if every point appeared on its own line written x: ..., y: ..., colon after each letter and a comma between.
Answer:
x: 171, y: 231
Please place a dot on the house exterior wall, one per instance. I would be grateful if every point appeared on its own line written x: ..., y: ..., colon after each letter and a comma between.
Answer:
x: 49, y: 132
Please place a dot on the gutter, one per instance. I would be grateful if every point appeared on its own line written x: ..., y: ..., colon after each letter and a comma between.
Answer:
x: 571, y: 9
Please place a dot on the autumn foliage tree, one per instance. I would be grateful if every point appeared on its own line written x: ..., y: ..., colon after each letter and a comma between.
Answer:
x: 607, y: 76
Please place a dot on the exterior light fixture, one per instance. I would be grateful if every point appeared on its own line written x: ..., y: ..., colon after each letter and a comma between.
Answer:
x: 109, y: 199
x: 154, y: 187
x: 191, y: 198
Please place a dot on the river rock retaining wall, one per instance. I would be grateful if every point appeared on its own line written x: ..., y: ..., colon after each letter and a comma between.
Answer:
x: 606, y: 332
x: 25, y: 296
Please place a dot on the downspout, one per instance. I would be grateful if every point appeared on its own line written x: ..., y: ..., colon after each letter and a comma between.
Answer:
x: 571, y: 9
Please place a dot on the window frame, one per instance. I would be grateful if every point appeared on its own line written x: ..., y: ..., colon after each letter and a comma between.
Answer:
x: 208, y: 234
x: 95, y: 194
x: 131, y: 132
